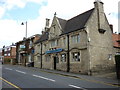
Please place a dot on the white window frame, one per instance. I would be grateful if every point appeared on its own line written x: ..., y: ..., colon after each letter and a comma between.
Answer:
x: 8, y: 54
x: 76, y: 57
x: 75, y: 38
x: 54, y: 43
x: 64, y: 41
x: 63, y: 59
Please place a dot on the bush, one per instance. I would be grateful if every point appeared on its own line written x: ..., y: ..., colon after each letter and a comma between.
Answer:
x: 7, y: 60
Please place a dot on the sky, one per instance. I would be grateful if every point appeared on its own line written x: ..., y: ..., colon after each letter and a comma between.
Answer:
x: 35, y: 12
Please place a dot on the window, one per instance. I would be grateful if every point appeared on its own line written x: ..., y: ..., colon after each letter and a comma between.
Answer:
x: 48, y: 57
x: 64, y: 41
x: 37, y: 48
x: 75, y: 38
x: 57, y: 42
x: 117, y: 53
x: 5, y: 49
x: 30, y: 45
x: 63, y: 57
x: 54, y: 43
x: 44, y: 46
x: 110, y: 56
x: 5, y: 54
x: 57, y: 59
x: 76, y: 56
x: 8, y: 54
x: 8, y: 49
x: 38, y: 58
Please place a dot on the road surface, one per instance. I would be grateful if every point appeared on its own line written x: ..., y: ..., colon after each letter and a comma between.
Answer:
x: 22, y: 77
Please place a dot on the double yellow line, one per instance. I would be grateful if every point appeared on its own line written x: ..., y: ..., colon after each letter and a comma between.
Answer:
x: 10, y: 83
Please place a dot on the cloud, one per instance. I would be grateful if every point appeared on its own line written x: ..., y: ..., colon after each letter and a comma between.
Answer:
x: 11, y: 4
x: 2, y: 11
x: 67, y: 9
x: 64, y: 8
x: 12, y: 31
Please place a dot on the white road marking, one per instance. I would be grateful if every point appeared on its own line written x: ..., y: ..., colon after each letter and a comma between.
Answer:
x: 8, y: 68
x: 20, y: 71
x: 77, y: 87
x: 44, y: 78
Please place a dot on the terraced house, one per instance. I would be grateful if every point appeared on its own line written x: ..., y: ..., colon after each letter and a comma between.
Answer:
x: 25, y: 50
x: 82, y: 44
x: 8, y: 54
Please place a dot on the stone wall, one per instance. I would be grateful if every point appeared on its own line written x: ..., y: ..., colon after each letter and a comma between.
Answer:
x: 100, y: 44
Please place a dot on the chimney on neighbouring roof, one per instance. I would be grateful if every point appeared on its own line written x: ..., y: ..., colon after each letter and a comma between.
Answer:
x: 111, y: 27
x: 42, y: 32
x: 47, y: 24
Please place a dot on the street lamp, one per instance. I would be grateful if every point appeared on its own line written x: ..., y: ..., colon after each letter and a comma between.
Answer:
x: 26, y: 27
x: 25, y: 35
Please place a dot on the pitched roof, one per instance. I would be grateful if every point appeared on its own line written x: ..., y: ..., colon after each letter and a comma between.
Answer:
x: 70, y: 25
x: 77, y: 22
x: 43, y: 37
x: 62, y: 22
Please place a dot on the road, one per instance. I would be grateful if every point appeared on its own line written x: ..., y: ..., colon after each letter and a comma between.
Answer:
x: 22, y: 77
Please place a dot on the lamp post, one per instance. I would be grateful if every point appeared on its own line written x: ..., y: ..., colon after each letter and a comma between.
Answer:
x: 26, y: 28
x: 25, y: 42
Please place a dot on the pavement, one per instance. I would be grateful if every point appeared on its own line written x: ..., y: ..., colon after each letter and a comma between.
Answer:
x: 109, y: 78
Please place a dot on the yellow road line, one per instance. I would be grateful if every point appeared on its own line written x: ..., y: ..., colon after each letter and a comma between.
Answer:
x: 10, y: 83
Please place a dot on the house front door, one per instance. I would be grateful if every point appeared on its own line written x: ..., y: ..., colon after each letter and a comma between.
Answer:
x: 54, y: 63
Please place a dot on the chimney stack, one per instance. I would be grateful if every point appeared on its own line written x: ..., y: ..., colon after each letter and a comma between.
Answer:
x: 47, y: 24
x: 100, y: 13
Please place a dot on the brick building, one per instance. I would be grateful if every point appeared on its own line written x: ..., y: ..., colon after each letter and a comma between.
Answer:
x: 116, y: 42
x: 9, y: 53
x: 25, y: 50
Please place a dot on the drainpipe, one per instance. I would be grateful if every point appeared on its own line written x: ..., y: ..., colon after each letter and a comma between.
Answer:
x: 68, y: 55
x: 41, y: 55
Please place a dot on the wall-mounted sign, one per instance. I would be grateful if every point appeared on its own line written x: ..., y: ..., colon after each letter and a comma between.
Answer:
x: 22, y: 46
x: 54, y: 51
